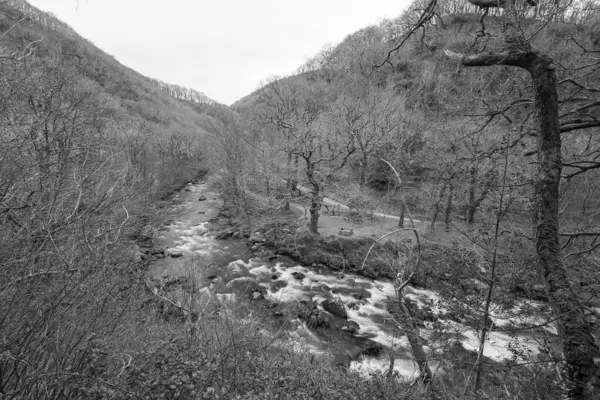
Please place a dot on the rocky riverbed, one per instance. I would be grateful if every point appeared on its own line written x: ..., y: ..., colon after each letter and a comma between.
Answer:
x: 344, y: 315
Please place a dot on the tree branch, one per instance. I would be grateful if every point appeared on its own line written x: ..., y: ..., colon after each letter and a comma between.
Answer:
x: 515, y: 59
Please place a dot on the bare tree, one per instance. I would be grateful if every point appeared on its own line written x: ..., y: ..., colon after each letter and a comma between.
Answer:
x: 517, y: 50
x: 310, y: 135
x: 579, y: 346
x: 368, y: 115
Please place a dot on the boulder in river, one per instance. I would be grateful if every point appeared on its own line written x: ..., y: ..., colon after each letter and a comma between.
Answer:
x: 308, y: 312
x: 370, y: 348
x: 225, y: 235
x: 298, y: 275
x: 257, y: 295
x: 246, y: 286
x: 256, y: 237
x: 175, y: 253
x: 364, y: 347
x: 355, y: 305
x: 336, y: 307
x: 350, y: 327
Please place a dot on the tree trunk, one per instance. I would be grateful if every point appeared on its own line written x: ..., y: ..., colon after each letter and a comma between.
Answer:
x: 436, y: 207
x: 363, y: 170
x: 315, y: 200
x: 289, y: 172
x: 579, y: 347
x: 471, y: 208
x: 448, y: 211
x: 402, y: 212
x: 414, y: 340
x: 315, y: 207
x: 296, y: 177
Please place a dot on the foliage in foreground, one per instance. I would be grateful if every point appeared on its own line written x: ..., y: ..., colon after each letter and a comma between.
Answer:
x: 232, y: 356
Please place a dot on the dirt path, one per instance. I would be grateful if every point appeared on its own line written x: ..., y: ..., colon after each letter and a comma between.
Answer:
x: 377, y: 226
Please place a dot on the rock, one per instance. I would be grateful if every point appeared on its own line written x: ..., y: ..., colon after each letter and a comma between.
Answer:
x: 370, y: 348
x: 354, y: 305
x: 145, y: 235
x: 174, y: 253
x: 245, y: 286
x: 350, y: 327
x: 336, y: 307
x: 256, y: 237
x: 310, y: 313
x: 298, y: 275
x: 257, y: 295
x: 224, y: 235
x: 323, y: 288
x: 137, y: 256
x: 276, y: 285
x: 369, y: 272
x: 346, y: 232
x: 236, y: 268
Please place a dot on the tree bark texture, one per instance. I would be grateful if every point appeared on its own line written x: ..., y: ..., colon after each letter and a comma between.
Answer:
x: 315, y: 200
x: 436, y: 206
x: 402, y: 212
x: 448, y: 211
x: 579, y: 347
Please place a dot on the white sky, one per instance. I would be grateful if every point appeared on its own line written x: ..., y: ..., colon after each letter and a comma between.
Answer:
x: 223, y: 48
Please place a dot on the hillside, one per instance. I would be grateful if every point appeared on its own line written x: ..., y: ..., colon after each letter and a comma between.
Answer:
x: 89, y: 152
x: 141, y: 97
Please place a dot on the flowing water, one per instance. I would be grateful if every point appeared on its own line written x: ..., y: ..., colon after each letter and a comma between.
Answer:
x: 369, y: 336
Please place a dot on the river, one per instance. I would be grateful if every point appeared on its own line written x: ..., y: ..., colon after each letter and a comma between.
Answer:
x: 367, y: 337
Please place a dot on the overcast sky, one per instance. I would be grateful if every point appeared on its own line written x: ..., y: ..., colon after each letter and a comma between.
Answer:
x: 223, y: 48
